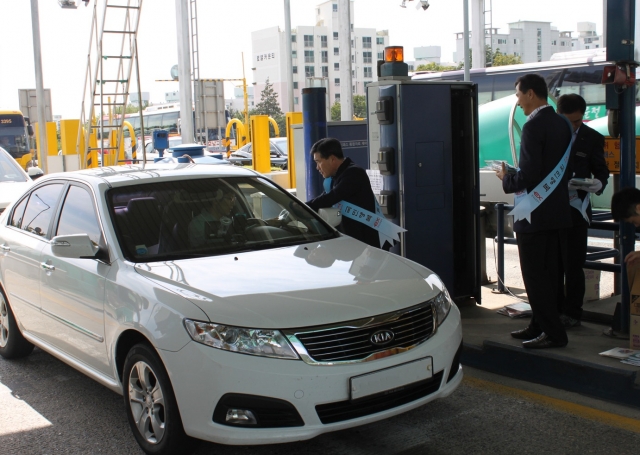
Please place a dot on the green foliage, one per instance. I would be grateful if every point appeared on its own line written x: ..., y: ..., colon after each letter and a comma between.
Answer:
x: 359, y: 108
x: 500, y: 59
x: 269, y: 105
x: 435, y: 67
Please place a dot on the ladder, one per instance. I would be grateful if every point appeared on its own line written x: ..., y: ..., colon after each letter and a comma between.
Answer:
x: 111, y: 58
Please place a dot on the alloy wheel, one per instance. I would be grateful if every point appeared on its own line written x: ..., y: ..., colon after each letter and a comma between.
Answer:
x: 147, y: 402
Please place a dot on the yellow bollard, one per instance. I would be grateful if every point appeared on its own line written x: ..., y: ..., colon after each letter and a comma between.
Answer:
x: 292, y: 118
x: 260, y: 143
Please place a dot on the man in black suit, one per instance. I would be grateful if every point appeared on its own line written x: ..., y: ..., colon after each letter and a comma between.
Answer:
x: 587, y: 159
x: 542, y: 213
x: 349, y: 183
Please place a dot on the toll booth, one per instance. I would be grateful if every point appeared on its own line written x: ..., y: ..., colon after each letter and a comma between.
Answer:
x: 423, y: 140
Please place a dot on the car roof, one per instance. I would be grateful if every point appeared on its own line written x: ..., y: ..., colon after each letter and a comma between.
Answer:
x: 116, y: 176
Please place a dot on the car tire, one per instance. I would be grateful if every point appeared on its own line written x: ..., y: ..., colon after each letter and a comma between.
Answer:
x: 12, y: 344
x: 151, y: 406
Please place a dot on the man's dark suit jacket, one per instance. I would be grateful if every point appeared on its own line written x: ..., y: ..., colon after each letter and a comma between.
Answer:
x: 545, y: 139
x: 351, y: 184
x: 587, y: 157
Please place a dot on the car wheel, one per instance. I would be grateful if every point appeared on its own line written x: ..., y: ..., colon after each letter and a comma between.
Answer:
x: 12, y: 344
x: 151, y: 406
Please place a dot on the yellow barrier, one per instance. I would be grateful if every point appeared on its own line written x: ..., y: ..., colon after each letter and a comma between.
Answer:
x: 261, y: 145
x: 292, y: 118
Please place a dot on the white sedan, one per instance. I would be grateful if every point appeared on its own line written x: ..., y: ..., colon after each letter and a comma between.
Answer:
x: 273, y: 327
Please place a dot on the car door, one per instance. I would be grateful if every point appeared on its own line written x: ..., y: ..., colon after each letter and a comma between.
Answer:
x: 73, y: 290
x: 23, y: 239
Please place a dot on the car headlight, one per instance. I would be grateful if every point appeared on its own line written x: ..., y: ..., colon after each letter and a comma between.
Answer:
x: 442, y: 303
x: 266, y: 343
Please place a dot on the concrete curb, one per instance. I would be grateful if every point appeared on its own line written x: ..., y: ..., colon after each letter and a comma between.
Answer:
x: 551, y: 368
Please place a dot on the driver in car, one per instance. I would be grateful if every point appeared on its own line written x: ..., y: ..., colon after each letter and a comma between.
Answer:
x: 214, y: 221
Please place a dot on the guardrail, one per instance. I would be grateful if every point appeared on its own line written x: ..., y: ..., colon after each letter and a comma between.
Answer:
x: 594, y: 253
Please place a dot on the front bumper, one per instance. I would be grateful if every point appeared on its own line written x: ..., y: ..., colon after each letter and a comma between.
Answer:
x: 201, y: 376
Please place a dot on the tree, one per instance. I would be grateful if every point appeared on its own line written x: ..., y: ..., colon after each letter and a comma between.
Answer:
x: 359, y: 108
x: 500, y: 59
x: 435, y: 67
x: 270, y: 106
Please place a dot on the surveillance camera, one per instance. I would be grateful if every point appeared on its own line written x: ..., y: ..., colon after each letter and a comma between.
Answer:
x: 424, y: 4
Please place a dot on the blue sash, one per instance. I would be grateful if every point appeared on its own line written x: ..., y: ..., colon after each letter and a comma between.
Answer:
x: 387, y: 231
x: 525, y: 203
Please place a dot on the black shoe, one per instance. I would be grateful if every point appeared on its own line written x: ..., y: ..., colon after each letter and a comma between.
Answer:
x: 568, y: 321
x: 525, y: 334
x: 542, y: 342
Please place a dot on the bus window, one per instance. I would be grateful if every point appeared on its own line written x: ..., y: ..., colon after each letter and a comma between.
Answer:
x: 152, y: 122
x: 586, y: 82
x: 485, y: 89
x: 504, y: 85
x: 170, y: 122
x: 135, y: 123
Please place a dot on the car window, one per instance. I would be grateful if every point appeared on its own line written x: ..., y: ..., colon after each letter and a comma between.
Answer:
x: 18, y: 212
x: 40, y: 208
x: 10, y: 170
x: 78, y: 215
x: 181, y: 219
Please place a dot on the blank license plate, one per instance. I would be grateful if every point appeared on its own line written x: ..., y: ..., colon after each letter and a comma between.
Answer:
x: 390, y: 378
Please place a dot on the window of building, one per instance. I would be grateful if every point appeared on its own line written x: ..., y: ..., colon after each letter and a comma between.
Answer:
x: 335, y: 7
x: 308, y: 56
x: 379, y: 40
x: 336, y: 82
x: 323, y: 41
x: 502, y: 41
x: 352, y: 44
x: 294, y: 54
x: 293, y: 38
x: 309, y: 71
x: 336, y: 97
x: 353, y: 89
x: 335, y: 35
x: 295, y: 70
x: 295, y: 100
x: 515, y: 41
x: 308, y: 40
x: 554, y: 43
x: 325, y: 57
x: 353, y: 58
x: 325, y: 71
x: 366, y: 42
x: 295, y: 85
x: 353, y: 73
x: 366, y: 57
x: 380, y: 55
x: 368, y: 72
x: 562, y: 43
x: 351, y: 27
x: 336, y: 51
x: 336, y: 66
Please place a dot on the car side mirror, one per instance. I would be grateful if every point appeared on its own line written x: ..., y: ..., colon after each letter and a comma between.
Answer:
x: 75, y: 246
x: 331, y: 215
x: 35, y: 172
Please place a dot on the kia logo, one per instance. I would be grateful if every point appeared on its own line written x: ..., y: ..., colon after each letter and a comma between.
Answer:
x: 382, y: 337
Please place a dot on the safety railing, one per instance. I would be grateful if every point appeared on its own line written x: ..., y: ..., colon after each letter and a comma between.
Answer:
x: 594, y: 253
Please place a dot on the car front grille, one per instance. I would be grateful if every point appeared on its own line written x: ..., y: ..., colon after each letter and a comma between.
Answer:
x: 353, y: 341
x: 347, y: 410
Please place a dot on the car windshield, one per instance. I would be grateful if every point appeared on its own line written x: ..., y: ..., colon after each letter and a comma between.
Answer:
x: 281, y: 143
x: 207, y: 217
x: 9, y: 169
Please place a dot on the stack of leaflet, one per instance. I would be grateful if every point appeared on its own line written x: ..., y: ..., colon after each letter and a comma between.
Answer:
x: 628, y: 356
x: 516, y: 310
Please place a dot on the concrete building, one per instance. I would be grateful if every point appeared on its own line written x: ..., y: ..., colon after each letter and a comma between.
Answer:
x: 315, y: 56
x: 535, y: 41
x: 237, y: 102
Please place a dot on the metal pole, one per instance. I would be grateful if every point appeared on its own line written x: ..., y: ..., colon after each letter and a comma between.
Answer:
x: 287, y: 40
x: 500, y: 239
x: 184, y: 71
x: 42, y: 119
x: 344, y: 38
x: 465, y: 39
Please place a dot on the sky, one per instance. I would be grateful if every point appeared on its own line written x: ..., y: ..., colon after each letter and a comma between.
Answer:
x: 224, y: 33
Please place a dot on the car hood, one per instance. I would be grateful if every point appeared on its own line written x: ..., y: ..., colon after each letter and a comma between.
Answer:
x: 299, y: 286
x: 10, y: 191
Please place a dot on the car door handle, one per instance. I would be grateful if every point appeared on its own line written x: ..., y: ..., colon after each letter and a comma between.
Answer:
x: 5, y: 248
x: 47, y: 267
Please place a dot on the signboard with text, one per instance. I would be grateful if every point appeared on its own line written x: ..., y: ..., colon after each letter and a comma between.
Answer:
x: 612, y: 155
